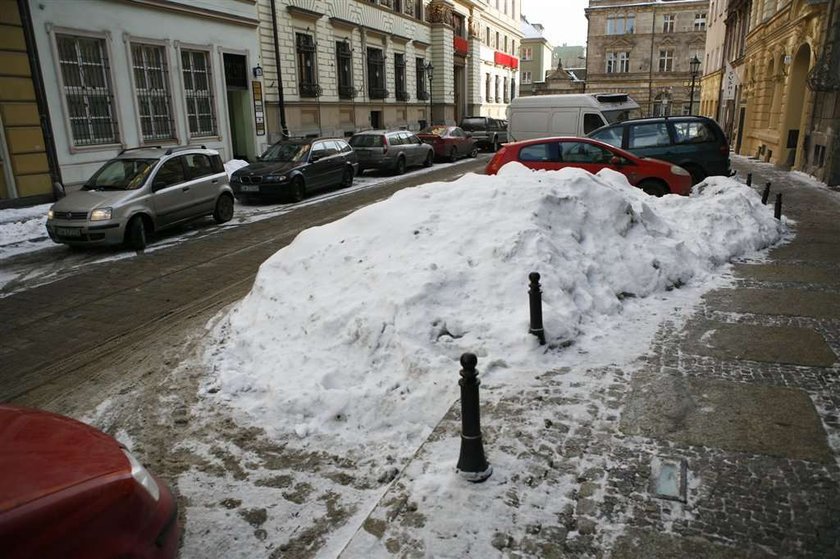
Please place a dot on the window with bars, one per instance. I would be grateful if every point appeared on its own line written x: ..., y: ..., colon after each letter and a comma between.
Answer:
x: 151, y: 81
x: 198, y: 93
x: 666, y: 60
x: 376, y: 74
x: 344, y: 61
x: 399, y: 77
x: 420, y: 77
x: 307, y: 82
x: 668, y: 21
x: 86, y: 77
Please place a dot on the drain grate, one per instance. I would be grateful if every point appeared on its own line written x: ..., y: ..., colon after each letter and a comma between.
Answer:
x: 669, y: 479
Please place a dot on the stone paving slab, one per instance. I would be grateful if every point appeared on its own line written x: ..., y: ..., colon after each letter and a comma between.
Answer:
x: 753, y: 418
x: 791, y: 302
x: 656, y: 545
x: 769, y: 344
x: 811, y: 252
x: 787, y: 273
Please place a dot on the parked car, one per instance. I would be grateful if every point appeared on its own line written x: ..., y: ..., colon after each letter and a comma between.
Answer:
x: 140, y: 192
x: 695, y: 143
x: 69, y: 490
x: 488, y: 133
x: 392, y: 151
x: 653, y: 176
x: 450, y: 142
x: 294, y: 168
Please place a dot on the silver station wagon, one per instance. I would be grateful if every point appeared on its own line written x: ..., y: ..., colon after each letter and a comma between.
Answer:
x: 140, y: 192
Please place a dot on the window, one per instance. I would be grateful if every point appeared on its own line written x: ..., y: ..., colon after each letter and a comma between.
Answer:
x: 692, y: 133
x: 527, y: 53
x: 648, y: 135
x: 618, y: 62
x: 420, y: 77
x: 512, y: 89
x: 611, y: 63
x: 700, y: 22
x: 198, y: 93
x: 668, y: 23
x: 526, y: 77
x: 151, y: 81
x: 488, y: 85
x: 376, y: 74
x: 581, y: 152
x: 171, y: 172
x: 344, y: 62
x: 610, y: 136
x: 620, y: 25
x: 505, y: 91
x: 591, y: 122
x: 624, y: 62
x: 198, y: 165
x: 666, y: 60
x: 497, y: 94
x: 399, y: 76
x: 459, y: 25
x: 536, y: 152
x: 86, y: 79
x: 498, y: 42
x: 307, y: 81
x: 487, y: 41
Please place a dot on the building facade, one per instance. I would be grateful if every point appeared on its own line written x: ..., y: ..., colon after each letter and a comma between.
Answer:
x: 535, y: 57
x: 570, y: 56
x: 350, y: 65
x: 714, y: 64
x: 645, y: 49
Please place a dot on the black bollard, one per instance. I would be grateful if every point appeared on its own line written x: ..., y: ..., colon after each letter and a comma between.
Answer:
x: 535, y: 298
x: 777, y: 210
x: 472, y: 464
x: 749, y: 179
x: 766, y: 194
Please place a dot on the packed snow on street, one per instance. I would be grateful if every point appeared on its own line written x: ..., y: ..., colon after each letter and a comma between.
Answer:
x: 348, y: 345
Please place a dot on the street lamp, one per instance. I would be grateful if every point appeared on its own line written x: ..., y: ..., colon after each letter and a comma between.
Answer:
x: 430, y: 74
x: 694, y: 65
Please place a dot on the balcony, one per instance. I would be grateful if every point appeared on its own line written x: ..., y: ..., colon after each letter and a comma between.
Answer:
x: 378, y: 93
x: 423, y: 96
x: 461, y: 45
x: 347, y: 92
x: 402, y: 96
x: 310, y: 90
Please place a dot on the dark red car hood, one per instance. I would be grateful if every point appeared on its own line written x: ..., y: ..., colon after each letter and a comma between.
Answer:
x: 42, y: 453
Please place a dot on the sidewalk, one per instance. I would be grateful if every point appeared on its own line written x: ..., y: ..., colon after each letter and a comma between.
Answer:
x: 744, y: 397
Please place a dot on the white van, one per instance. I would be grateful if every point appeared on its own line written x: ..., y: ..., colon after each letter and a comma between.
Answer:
x: 573, y: 114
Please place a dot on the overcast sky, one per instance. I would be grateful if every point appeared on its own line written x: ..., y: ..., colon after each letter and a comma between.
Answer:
x: 564, y: 20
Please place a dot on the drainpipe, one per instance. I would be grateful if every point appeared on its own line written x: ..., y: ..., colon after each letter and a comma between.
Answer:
x: 650, y: 71
x: 283, y: 128
x: 41, y: 98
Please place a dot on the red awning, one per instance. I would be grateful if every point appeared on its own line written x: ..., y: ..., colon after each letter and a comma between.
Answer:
x: 506, y: 60
x: 461, y: 45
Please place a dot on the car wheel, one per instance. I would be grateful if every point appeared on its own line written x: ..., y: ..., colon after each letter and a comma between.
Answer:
x: 453, y: 155
x: 697, y: 173
x: 653, y: 188
x: 298, y: 189
x: 430, y: 159
x: 400, y: 168
x: 135, y: 233
x: 347, y: 178
x: 224, y: 209
x: 474, y: 152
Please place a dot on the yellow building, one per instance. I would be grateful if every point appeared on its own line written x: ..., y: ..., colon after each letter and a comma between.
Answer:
x: 781, y: 49
x: 25, y: 175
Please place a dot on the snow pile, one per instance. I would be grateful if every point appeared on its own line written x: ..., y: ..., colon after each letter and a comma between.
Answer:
x: 233, y: 165
x: 21, y: 225
x: 355, y: 329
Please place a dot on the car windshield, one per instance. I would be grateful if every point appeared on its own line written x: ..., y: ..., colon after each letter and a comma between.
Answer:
x: 286, y: 152
x: 470, y: 124
x: 121, y: 174
x: 439, y: 130
x: 367, y: 141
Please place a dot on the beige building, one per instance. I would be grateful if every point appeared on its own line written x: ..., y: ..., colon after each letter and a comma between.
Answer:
x: 714, y: 64
x: 535, y: 57
x: 349, y: 65
x: 644, y: 48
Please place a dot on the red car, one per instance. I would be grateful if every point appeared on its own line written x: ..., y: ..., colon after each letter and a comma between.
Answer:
x: 68, y: 490
x: 655, y: 177
x: 450, y: 142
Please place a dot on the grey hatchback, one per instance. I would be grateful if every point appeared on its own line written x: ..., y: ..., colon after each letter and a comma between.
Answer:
x: 695, y: 143
x: 392, y: 151
x: 142, y: 191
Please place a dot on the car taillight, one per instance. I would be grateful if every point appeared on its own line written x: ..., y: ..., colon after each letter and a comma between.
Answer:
x: 384, y: 145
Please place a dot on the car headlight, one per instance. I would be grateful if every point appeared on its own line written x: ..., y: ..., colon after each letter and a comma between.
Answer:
x: 677, y: 170
x: 142, y: 476
x: 100, y: 214
x: 275, y: 178
x: 50, y: 214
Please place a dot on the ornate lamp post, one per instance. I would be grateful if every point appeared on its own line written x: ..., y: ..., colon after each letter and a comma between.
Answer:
x: 430, y: 74
x: 694, y: 65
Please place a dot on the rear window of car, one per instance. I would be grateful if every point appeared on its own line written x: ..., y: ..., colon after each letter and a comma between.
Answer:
x: 693, y: 132
x: 536, y: 152
x: 367, y: 141
x: 648, y: 135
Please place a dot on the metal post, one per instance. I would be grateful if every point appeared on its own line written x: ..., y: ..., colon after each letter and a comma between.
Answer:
x: 691, y: 96
x: 472, y: 464
x: 777, y: 210
x: 766, y: 194
x: 749, y: 179
x: 535, y: 298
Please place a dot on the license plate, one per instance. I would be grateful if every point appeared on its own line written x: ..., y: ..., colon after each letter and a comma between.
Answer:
x: 68, y: 232
x: 249, y: 188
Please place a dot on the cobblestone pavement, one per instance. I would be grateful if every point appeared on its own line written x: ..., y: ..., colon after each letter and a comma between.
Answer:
x: 745, y: 395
